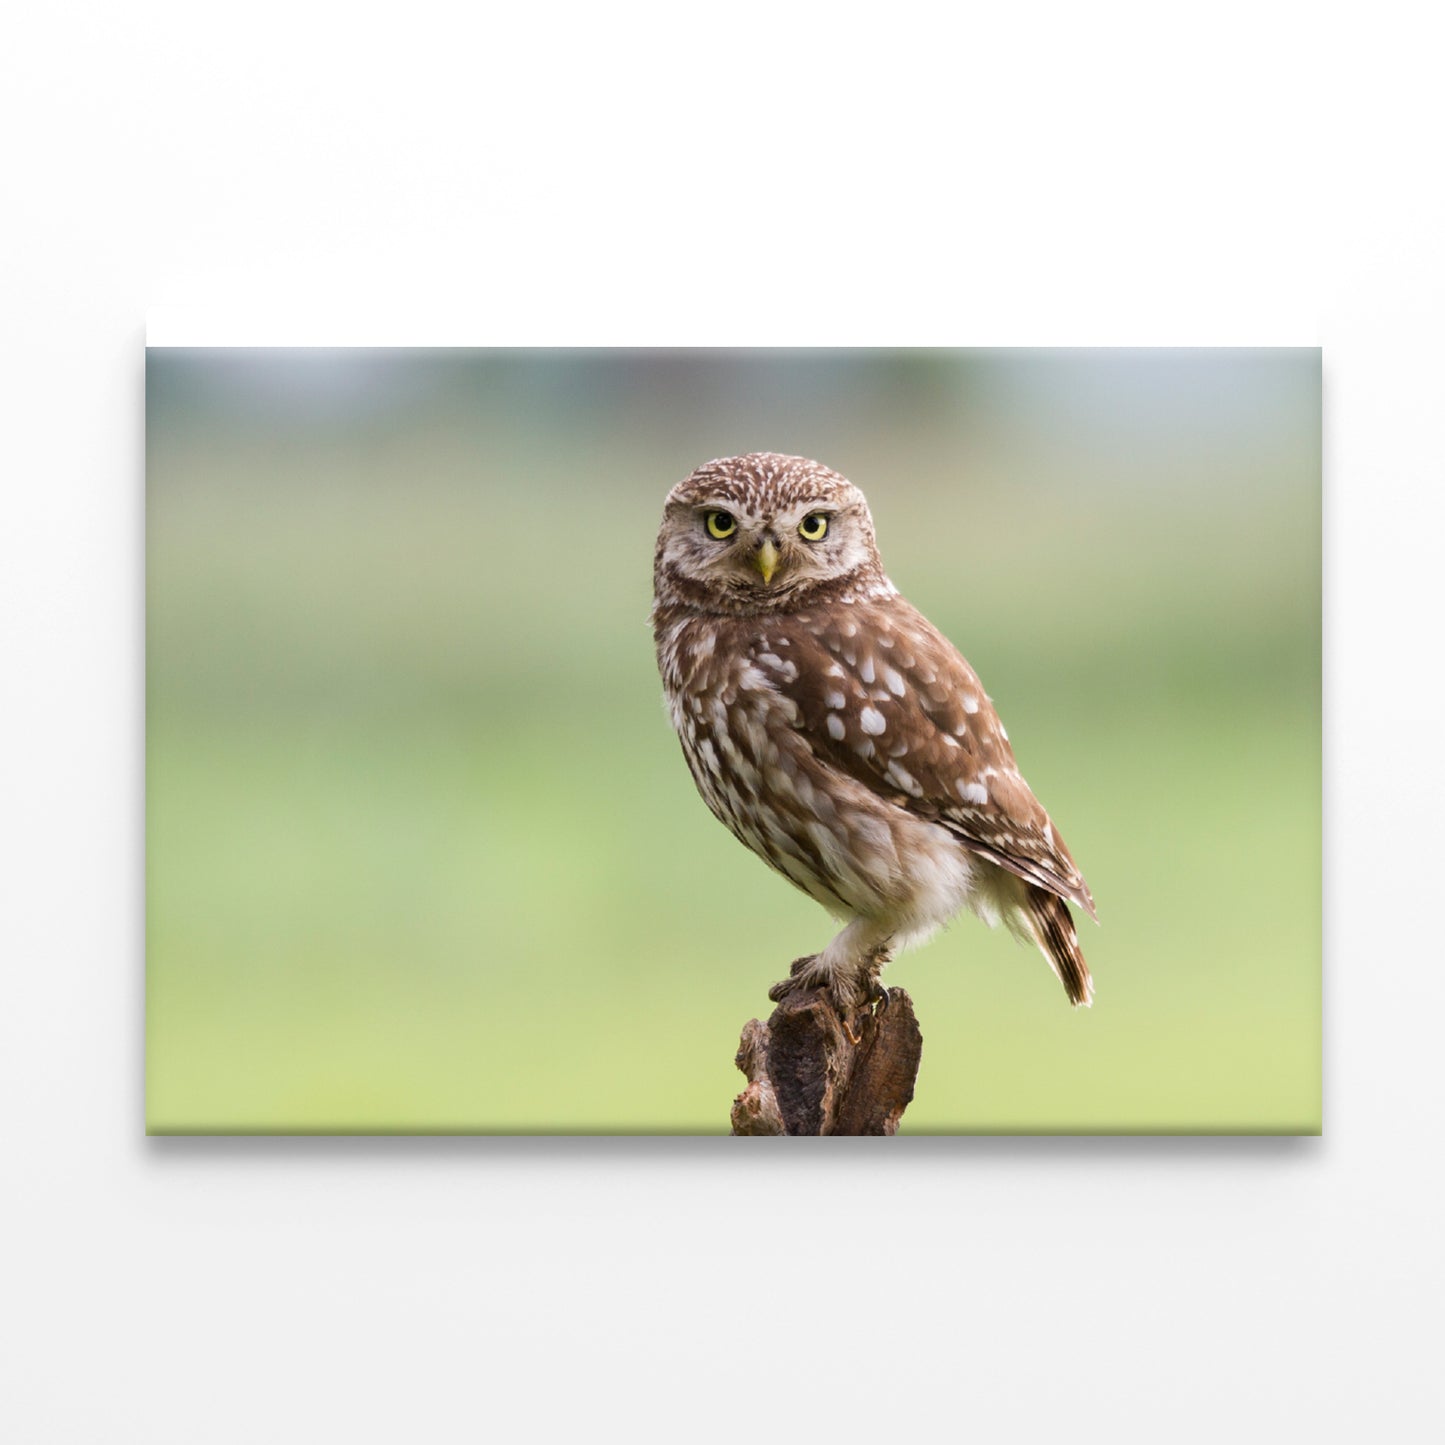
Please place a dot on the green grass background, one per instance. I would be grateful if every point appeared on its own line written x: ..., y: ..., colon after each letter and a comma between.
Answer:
x: 422, y: 853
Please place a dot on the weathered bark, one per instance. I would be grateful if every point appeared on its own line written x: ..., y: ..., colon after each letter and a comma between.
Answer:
x: 806, y: 1075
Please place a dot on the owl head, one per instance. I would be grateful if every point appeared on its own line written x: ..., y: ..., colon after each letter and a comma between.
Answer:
x: 765, y: 533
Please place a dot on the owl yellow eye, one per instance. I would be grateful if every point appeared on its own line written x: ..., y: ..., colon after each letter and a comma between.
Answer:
x: 813, y: 527
x: 721, y: 525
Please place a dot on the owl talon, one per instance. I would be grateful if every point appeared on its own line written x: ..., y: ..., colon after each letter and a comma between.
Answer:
x: 878, y: 996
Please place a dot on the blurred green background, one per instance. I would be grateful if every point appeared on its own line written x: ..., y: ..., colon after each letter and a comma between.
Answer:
x: 423, y: 854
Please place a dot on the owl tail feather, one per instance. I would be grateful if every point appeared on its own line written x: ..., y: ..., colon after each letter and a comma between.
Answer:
x: 1053, y: 928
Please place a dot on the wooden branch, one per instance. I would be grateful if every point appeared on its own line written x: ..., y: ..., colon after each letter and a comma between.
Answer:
x: 807, y: 1076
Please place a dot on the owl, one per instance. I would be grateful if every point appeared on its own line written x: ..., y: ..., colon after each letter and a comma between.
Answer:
x: 839, y: 735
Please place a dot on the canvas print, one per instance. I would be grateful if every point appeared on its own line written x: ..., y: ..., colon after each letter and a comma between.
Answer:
x: 457, y: 660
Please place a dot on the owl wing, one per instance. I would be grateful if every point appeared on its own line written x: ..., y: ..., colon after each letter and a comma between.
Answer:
x: 884, y: 697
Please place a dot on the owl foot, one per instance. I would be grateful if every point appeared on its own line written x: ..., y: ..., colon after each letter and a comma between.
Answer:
x: 800, y: 976
x: 851, y: 996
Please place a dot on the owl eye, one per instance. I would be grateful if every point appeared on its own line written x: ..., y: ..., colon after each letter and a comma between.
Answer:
x: 721, y: 525
x: 813, y: 527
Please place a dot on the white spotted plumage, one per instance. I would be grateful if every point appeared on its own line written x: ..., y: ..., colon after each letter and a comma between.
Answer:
x: 866, y: 765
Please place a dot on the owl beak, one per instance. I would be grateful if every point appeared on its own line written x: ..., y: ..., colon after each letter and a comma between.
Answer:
x: 765, y: 559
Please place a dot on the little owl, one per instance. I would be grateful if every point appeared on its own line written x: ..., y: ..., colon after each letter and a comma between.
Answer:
x: 839, y: 734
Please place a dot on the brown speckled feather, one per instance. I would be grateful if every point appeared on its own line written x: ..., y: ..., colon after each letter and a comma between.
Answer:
x: 884, y: 697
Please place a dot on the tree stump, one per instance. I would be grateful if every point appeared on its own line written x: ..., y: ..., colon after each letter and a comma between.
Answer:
x: 806, y: 1075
